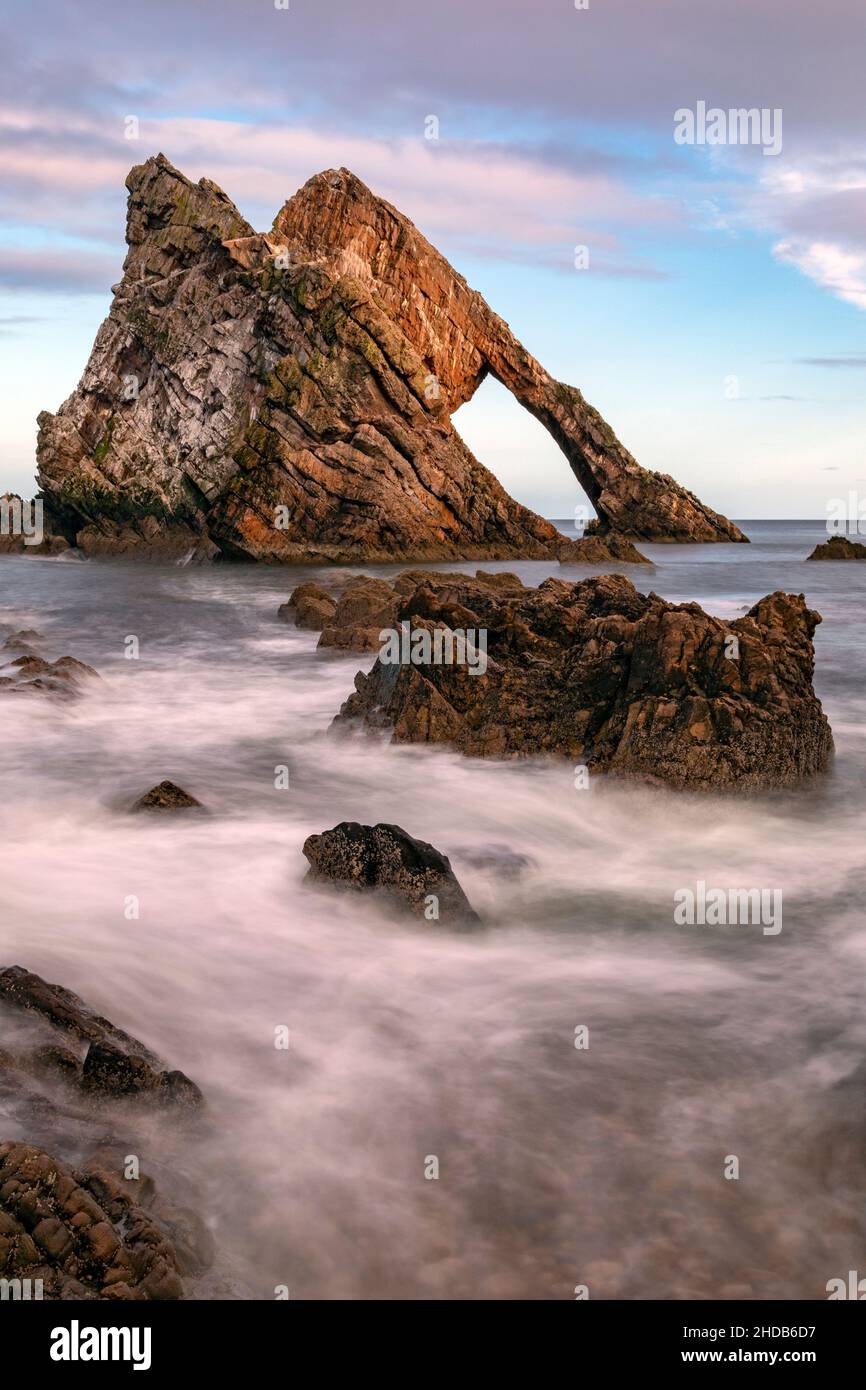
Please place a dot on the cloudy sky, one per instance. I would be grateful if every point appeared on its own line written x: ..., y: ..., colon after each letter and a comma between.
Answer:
x: 720, y: 325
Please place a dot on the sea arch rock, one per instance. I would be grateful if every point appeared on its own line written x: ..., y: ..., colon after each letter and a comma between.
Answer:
x: 271, y: 394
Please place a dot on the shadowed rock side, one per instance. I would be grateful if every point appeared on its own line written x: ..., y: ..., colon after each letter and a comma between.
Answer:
x: 98, y: 1057
x: 620, y: 681
x: 273, y: 396
x: 839, y: 548
x: 384, y: 857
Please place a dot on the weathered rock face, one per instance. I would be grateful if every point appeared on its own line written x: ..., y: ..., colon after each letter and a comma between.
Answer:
x: 839, y: 548
x: 287, y: 396
x: 365, y: 606
x: 622, y: 682
x: 353, y: 617
x: 461, y: 340
x: 80, y: 1231
x: 386, y: 858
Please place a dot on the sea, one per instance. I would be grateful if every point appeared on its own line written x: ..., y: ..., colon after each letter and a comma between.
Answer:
x: 583, y: 1096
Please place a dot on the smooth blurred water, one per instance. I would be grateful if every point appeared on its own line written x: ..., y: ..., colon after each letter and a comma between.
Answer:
x: 557, y: 1167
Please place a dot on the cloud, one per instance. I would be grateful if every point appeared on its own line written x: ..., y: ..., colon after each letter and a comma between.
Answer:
x: 501, y: 202
x: 834, y: 268
x: 68, y: 271
x: 843, y: 360
x: 12, y: 324
x: 814, y: 208
x: 539, y: 149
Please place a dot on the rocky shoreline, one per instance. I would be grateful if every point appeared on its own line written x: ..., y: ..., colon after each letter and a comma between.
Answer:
x: 80, y: 1217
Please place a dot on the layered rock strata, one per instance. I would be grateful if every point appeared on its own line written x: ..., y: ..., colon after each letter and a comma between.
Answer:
x: 287, y: 397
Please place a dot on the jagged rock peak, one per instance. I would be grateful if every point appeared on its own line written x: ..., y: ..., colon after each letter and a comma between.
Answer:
x: 287, y: 396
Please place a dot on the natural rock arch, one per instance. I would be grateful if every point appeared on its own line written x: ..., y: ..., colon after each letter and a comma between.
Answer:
x: 287, y: 396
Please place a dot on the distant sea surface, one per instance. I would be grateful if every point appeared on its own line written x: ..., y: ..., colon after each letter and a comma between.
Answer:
x: 557, y: 1166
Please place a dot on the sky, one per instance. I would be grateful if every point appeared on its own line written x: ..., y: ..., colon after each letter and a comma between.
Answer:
x: 716, y: 317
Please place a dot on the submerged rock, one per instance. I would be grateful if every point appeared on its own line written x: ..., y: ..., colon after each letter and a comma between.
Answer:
x: 294, y: 392
x: 619, y: 681
x: 839, y: 548
x: 409, y: 871
x: 166, y: 796
x: 87, y: 1049
x: 24, y: 671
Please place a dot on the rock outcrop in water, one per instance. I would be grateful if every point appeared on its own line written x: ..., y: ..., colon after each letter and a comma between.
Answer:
x: 24, y: 669
x: 383, y: 857
x: 354, y: 615
x: 166, y: 796
x: 839, y: 548
x: 287, y: 396
x: 89, y: 1050
x: 619, y: 681
x: 601, y: 549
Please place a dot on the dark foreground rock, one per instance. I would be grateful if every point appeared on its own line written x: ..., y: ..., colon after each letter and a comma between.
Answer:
x: 77, y: 1210
x: 384, y: 857
x: 166, y: 796
x: 80, y: 1231
x: 88, y: 1050
x: 839, y: 548
x: 24, y: 669
x: 287, y: 396
x: 619, y: 681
